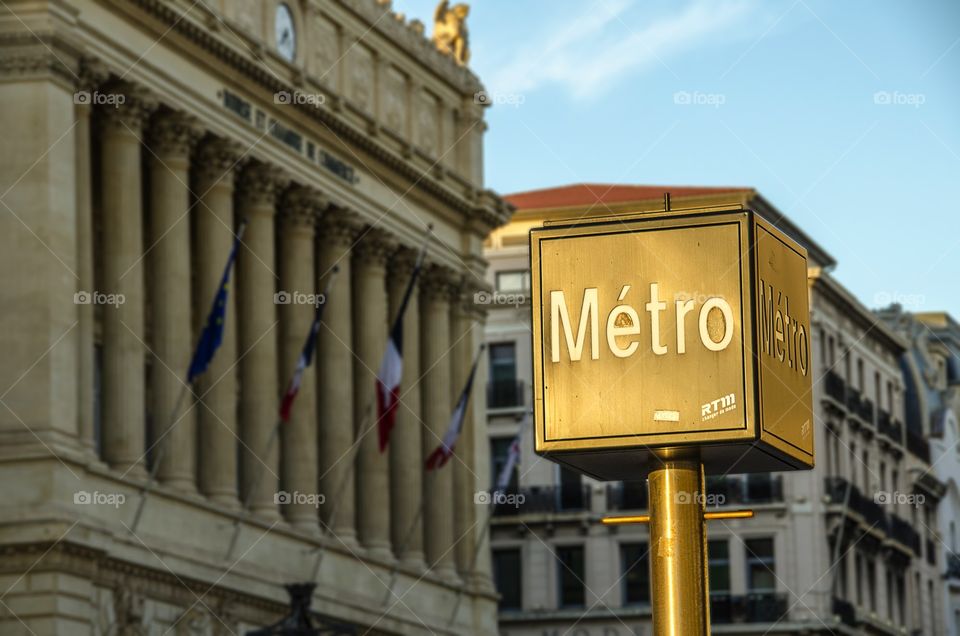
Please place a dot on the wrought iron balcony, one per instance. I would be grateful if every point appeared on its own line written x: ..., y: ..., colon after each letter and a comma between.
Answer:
x: 758, y: 607
x: 953, y: 565
x: 871, y: 512
x: 758, y: 488
x: 836, y: 388
x: 918, y: 445
x: 853, y: 400
x: 865, y: 410
x: 505, y: 394
x: 536, y: 499
x: 627, y: 495
x: 902, y: 532
x: 846, y: 611
x: 889, y: 427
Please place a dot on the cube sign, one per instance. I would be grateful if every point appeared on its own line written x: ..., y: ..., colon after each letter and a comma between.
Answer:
x: 671, y: 330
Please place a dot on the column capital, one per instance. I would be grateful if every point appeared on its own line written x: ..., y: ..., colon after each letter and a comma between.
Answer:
x: 124, y: 106
x: 338, y: 226
x: 401, y: 263
x: 217, y: 160
x: 173, y: 133
x: 91, y: 73
x: 438, y: 282
x: 260, y: 183
x: 374, y: 246
x: 473, y: 296
x: 302, y: 207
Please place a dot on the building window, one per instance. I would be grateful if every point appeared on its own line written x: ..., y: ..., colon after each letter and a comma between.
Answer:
x: 571, y: 495
x: 761, y: 565
x: 499, y: 452
x: 508, y: 577
x: 513, y: 281
x: 570, y: 585
x: 718, y: 554
x: 504, y: 391
x: 635, y: 564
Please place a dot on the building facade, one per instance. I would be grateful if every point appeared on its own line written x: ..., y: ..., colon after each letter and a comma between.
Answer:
x: 144, y: 140
x: 931, y: 369
x: 838, y: 549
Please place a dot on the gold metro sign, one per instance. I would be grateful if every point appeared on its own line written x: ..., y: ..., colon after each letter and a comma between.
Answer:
x: 668, y: 330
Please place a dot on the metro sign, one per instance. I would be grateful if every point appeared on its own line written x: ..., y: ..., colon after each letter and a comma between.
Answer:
x: 668, y: 330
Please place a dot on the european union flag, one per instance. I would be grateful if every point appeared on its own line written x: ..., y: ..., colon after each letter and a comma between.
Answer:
x: 212, y: 335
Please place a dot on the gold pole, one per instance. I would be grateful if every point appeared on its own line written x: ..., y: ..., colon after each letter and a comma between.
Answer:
x: 678, y: 547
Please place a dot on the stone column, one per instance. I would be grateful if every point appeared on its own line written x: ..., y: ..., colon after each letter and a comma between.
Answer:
x: 406, y: 455
x: 124, y: 406
x: 476, y: 449
x: 464, y: 509
x: 173, y: 439
x: 258, y: 187
x: 435, y: 387
x: 369, y: 342
x: 217, y: 387
x: 301, y: 207
x: 91, y: 75
x: 335, y: 236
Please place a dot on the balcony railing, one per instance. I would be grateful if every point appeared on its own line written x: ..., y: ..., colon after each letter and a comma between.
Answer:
x: 931, y: 552
x: 917, y: 445
x: 853, y: 400
x: 866, y: 507
x: 865, y: 410
x: 758, y: 488
x: 953, y: 565
x: 760, y: 607
x: 836, y: 388
x: 534, y: 499
x: 904, y: 533
x: 889, y: 427
x: 846, y: 611
x: 505, y: 394
x: 627, y: 495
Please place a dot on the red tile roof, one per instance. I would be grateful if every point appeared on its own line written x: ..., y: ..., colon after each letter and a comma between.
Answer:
x: 587, y: 194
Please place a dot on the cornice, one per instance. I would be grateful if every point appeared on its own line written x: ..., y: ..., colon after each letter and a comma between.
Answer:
x: 480, y: 207
x: 39, y: 55
x: 414, y: 44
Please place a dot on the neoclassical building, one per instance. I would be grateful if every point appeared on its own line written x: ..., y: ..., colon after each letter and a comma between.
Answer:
x: 139, y: 138
x: 841, y: 549
x: 932, y: 372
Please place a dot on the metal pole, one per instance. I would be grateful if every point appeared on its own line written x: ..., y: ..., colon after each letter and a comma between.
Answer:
x: 678, y: 546
x: 158, y: 458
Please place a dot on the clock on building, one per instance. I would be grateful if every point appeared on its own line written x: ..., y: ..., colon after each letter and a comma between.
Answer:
x: 285, y: 32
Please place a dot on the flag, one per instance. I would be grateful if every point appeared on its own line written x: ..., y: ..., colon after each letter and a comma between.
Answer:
x: 391, y: 367
x: 306, y: 356
x: 444, y: 451
x: 212, y: 335
x: 513, y: 456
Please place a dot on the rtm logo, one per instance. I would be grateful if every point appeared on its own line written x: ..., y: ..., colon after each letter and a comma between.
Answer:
x: 719, y: 406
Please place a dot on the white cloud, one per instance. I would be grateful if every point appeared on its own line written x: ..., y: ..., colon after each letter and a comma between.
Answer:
x: 601, y: 46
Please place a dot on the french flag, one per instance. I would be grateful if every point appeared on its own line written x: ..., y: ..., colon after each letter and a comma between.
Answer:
x: 513, y: 458
x: 442, y: 454
x: 306, y: 356
x: 391, y: 367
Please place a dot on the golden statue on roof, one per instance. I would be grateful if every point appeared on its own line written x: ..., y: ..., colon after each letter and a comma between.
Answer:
x: 450, y: 31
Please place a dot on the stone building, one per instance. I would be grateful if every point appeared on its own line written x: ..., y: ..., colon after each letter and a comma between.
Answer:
x: 931, y: 369
x: 839, y: 549
x: 137, y: 136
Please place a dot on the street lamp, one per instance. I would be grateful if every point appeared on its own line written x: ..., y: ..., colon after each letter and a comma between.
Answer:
x: 299, y: 622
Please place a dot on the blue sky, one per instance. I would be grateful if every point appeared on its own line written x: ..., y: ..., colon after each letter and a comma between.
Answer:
x: 845, y: 115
